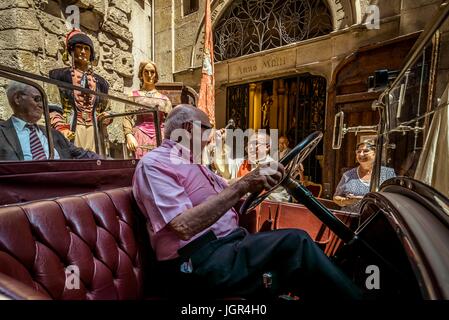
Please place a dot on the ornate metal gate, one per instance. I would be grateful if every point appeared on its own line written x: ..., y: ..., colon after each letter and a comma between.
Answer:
x: 306, y: 111
x: 238, y: 105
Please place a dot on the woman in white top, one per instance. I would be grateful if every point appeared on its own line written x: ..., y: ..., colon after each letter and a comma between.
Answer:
x: 355, y: 183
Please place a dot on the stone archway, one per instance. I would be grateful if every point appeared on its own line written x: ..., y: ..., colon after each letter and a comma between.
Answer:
x: 343, y: 15
x: 361, y: 9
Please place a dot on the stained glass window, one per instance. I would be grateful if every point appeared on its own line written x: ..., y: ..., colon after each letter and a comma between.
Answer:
x: 252, y: 26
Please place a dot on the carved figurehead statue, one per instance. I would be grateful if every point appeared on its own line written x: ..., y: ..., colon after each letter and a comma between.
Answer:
x: 139, y: 130
x: 77, y: 117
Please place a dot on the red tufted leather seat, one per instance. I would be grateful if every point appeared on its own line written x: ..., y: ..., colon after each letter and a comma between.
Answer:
x: 98, y: 232
x: 102, y: 233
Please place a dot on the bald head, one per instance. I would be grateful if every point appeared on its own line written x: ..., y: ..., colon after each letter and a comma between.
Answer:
x: 182, y: 114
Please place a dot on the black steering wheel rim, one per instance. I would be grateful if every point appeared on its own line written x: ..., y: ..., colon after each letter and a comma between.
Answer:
x: 297, y: 155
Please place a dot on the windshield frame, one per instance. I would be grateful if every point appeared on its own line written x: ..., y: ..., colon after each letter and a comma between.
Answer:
x: 383, y: 103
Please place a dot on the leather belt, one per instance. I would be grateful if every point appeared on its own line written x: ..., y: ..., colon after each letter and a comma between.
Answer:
x: 198, y: 243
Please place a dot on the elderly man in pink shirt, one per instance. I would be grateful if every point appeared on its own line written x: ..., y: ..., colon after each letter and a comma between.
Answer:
x: 194, y: 229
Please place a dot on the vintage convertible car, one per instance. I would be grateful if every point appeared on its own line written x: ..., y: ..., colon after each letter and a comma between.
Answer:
x: 71, y: 230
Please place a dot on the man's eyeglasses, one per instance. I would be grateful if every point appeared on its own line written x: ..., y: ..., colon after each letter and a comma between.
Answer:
x: 36, y: 98
x: 203, y: 126
x: 364, y: 151
x: 257, y: 145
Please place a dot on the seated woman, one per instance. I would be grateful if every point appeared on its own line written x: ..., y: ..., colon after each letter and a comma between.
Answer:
x: 355, y: 183
x: 140, y: 132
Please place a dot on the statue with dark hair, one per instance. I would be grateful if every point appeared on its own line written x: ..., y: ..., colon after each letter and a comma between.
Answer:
x: 78, y: 118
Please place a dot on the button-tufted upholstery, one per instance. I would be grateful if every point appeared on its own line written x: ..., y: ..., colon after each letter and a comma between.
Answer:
x: 100, y: 233
x: 103, y: 234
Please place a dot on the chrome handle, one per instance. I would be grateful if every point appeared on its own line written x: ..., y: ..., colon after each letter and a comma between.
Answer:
x: 336, y: 140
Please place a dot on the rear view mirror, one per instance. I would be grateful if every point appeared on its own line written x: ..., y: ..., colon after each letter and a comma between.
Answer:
x: 340, y: 130
x: 338, y: 133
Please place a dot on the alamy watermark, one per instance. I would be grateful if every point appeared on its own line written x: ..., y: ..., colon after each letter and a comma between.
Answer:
x: 72, y: 277
x: 73, y: 19
x: 210, y: 146
x: 372, y: 21
x: 372, y: 282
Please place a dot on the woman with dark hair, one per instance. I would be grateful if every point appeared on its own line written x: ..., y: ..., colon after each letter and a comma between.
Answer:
x: 140, y: 132
x: 355, y: 183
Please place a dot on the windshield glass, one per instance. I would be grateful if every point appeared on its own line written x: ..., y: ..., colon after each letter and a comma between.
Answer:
x: 82, y: 122
x: 416, y: 141
x: 94, y: 128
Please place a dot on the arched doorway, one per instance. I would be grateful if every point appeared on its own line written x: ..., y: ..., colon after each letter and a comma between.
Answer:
x: 295, y: 105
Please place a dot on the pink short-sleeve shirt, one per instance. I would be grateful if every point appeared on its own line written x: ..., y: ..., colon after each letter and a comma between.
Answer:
x: 164, y: 186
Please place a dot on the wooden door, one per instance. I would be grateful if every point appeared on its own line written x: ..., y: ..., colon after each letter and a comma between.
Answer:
x: 348, y: 92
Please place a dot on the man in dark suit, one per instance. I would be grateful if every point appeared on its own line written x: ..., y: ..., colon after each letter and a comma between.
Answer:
x: 22, y: 139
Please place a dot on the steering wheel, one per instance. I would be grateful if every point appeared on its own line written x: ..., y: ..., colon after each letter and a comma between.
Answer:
x: 290, y: 162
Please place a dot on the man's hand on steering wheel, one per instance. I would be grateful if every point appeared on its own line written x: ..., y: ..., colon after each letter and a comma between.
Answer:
x: 264, y: 177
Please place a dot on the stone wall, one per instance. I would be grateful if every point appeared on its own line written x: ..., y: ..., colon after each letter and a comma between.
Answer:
x: 32, y: 36
x: 163, y: 36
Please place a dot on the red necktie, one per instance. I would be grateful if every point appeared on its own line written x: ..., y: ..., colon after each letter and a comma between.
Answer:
x: 37, y: 150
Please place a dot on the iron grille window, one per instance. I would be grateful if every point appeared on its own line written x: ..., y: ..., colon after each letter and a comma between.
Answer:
x: 306, y: 108
x: 250, y: 26
x: 238, y: 105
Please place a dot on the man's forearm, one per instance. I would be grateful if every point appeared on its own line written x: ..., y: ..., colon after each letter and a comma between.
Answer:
x: 195, y: 220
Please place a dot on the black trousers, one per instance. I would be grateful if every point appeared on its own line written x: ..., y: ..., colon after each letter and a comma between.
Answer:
x: 234, y: 266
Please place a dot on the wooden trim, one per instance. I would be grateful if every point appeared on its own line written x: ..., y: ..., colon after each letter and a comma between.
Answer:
x: 353, y: 55
x: 355, y: 107
x: 390, y: 41
x: 357, y: 97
